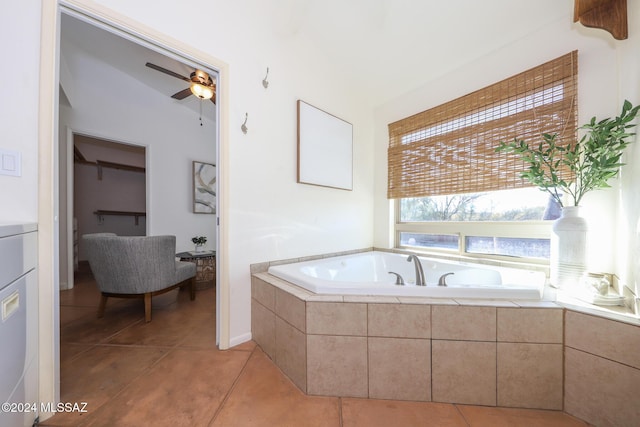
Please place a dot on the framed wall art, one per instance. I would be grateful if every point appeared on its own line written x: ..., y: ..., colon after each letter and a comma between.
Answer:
x: 325, y: 148
x: 204, y: 188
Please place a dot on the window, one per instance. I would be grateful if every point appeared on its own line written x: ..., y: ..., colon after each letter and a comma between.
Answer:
x: 498, y: 223
x: 454, y: 192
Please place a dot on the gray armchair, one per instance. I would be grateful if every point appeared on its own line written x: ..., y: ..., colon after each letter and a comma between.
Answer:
x: 136, y: 267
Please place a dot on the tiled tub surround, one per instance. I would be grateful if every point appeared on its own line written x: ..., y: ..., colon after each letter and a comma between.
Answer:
x: 494, y: 353
x: 413, y: 348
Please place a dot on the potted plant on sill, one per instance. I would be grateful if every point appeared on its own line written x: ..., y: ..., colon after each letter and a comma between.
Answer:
x: 593, y: 161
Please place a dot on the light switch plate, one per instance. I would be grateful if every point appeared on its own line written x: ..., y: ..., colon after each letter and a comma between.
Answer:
x: 10, y: 163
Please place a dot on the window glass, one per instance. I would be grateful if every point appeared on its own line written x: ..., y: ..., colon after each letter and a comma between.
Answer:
x: 525, y: 204
x: 427, y: 240
x: 508, y: 246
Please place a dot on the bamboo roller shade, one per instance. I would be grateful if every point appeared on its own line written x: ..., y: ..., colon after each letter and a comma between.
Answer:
x: 450, y: 149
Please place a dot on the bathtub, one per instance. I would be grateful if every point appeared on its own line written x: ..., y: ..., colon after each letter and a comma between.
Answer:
x: 367, y: 273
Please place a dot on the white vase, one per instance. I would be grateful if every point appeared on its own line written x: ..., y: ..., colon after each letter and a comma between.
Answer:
x: 568, y: 248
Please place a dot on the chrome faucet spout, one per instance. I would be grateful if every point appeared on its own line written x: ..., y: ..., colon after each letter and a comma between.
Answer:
x: 399, y: 279
x: 420, y: 281
x: 443, y: 279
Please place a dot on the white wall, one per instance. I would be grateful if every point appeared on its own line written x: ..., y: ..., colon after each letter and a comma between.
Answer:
x: 171, y: 134
x: 604, y: 68
x: 19, y: 107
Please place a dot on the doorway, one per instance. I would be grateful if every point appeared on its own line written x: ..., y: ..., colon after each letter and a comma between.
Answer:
x: 108, y: 89
x: 109, y: 190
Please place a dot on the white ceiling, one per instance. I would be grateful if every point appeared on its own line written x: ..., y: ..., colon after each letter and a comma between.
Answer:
x: 387, y: 47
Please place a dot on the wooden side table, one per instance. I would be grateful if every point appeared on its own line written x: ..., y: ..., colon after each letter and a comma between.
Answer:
x: 205, y: 267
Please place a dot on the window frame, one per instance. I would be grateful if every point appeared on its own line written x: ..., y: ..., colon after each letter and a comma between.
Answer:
x: 534, y: 229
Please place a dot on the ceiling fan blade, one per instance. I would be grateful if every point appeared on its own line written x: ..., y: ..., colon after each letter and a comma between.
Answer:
x: 182, y: 94
x: 169, y: 72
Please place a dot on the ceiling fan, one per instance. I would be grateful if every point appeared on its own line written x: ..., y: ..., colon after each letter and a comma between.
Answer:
x: 200, y: 83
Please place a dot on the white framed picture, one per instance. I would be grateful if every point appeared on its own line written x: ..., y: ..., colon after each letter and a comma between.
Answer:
x: 325, y: 148
x: 204, y: 188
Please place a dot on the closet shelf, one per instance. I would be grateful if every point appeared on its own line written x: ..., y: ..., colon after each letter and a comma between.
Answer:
x: 136, y: 215
x: 112, y: 165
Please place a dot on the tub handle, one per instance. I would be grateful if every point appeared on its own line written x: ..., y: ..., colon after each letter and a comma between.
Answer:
x: 443, y: 279
x: 399, y: 279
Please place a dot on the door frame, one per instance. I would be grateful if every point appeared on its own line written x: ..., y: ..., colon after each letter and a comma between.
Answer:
x: 48, y: 186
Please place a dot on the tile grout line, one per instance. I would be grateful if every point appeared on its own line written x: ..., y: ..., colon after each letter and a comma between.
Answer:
x: 233, y: 386
x: 455, y: 405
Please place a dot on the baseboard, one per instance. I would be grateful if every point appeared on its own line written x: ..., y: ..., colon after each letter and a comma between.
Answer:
x: 240, y: 339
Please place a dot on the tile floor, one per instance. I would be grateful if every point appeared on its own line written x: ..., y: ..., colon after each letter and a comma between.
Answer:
x: 169, y: 373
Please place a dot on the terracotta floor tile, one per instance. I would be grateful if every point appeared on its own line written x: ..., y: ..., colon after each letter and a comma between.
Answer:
x: 84, y: 293
x: 479, y: 416
x: 205, y: 301
x: 100, y: 373
x: 69, y: 350
x: 383, y: 413
x: 201, y: 334
x: 184, y: 389
x: 263, y: 396
x: 73, y: 313
x: 91, y: 330
x: 167, y: 328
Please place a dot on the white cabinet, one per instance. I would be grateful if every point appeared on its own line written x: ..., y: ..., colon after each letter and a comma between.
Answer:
x: 18, y: 324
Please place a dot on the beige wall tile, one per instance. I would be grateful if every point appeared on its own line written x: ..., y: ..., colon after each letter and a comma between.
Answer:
x: 399, y: 320
x: 400, y: 369
x: 291, y: 309
x: 260, y: 267
x: 263, y: 292
x: 291, y: 353
x: 463, y: 323
x: 330, y: 318
x: 534, y: 325
x: 263, y: 328
x: 603, y: 337
x: 337, y: 366
x: 463, y: 372
x: 530, y: 375
x: 600, y: 391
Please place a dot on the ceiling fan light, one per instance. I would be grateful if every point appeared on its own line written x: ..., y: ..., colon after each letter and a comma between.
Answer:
x: 201, y: 91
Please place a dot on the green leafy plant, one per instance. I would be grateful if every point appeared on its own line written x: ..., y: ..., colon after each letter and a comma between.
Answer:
x: 199, y: 240
x: 593, y: 161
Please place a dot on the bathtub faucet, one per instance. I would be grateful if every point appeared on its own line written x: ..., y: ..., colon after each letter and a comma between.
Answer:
x: 443, y: 279
x: 399, y: 279
x: 419, y: 271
